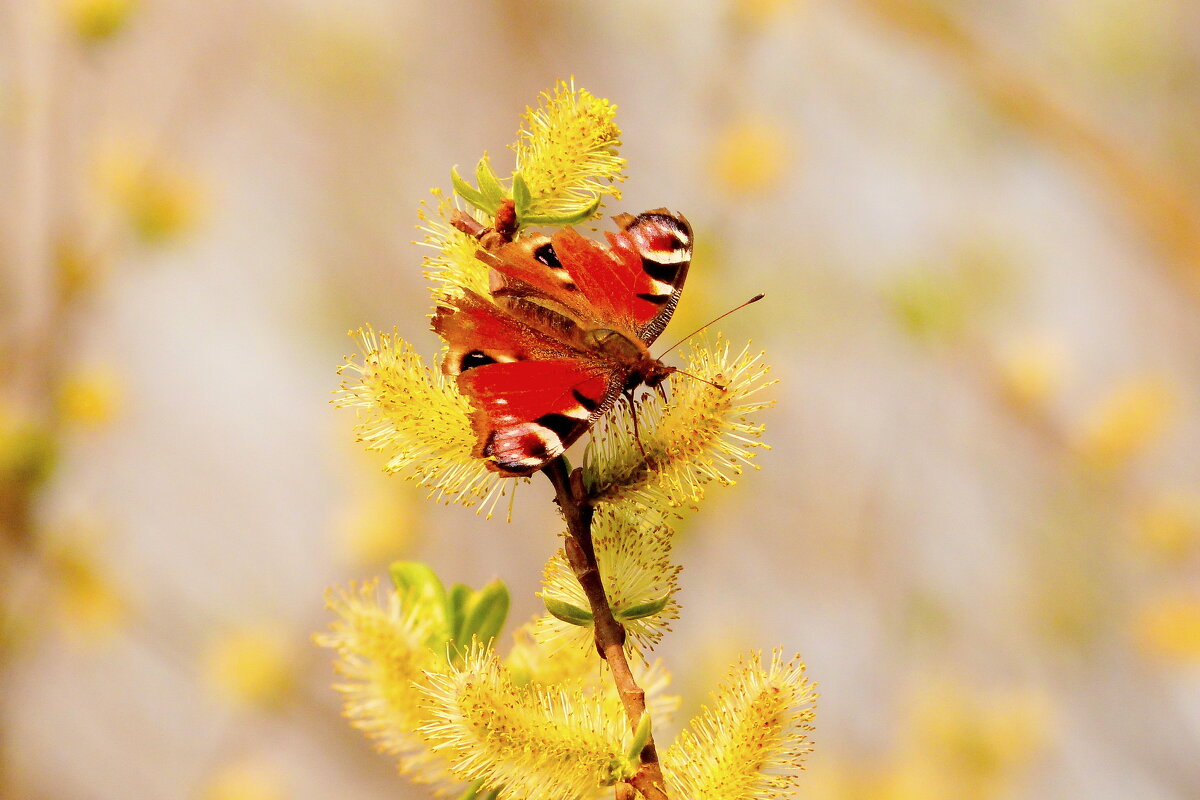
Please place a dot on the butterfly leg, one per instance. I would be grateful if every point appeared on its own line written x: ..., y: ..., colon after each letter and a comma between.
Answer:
x: 633, y: 413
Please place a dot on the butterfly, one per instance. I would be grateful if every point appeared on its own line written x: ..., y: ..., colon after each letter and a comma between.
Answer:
x: 564, y: 333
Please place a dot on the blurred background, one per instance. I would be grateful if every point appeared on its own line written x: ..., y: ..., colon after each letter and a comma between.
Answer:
x: 978, y: 228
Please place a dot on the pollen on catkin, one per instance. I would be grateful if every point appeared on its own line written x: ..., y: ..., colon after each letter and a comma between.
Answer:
x: 532, y: 742
x: 532, y: 662
x: 751, y: 743
x: 702, y: 435
x: 567, y: 150
x: 453, y: 266
x: 416, y: 417
x: 634, y: 555
x: 383, y: 657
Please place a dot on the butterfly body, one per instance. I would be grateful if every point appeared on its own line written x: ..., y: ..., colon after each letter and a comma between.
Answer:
x: 565, y: 332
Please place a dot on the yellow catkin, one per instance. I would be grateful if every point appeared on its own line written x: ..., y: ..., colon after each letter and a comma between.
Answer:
x: 453, y: 266
x: 415, y: 416
x: 567, y: 150
x: 536, y: 742
x: 750, y: 744
x: 383, y: 660
x: 703, y: 435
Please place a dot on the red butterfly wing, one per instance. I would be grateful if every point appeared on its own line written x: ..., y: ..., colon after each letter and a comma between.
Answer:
x: 528, y: 412
x: 633, y: 286
x: 530, y: 267
x: 639, y: 279
x: 533, y: 394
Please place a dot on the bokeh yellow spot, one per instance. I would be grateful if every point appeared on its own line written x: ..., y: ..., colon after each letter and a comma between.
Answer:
x: 1129, y: 40
x: 1127, y: 421
x: 341, y: 60
x: 77, y: 270
x: 930, y: 306
x: 27, y: 448
x: 90, y: 605
x: 160, y: 200
x: 251, y: 667
x: 247, y: 780
x: 97, y: 20
x: 1170, y: 526
x: 1031, y: 371
x: 89, y: 398
x: 752, y: 156
x: 1167, y: 628
x: 757, y: 13
x: 378, y: 525
x: 979, y: 739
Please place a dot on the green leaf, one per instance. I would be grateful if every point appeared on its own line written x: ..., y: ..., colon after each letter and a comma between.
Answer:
x: 573, y: 615
x: 413, y: 577
x: 469, y: 193
x: 641, y: 735
x: 472, y: 791
x: 489, y: 184
x: 560, y: 219
x: 646, y: 609
x: 522, y: 199
x: 419, y: 586
x: 486, y: 613
x: 456, y: 613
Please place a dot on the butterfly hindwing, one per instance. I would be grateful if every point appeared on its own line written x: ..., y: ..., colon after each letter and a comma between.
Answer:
x: 528, y: 412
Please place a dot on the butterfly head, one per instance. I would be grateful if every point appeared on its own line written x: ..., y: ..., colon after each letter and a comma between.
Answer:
x: 632, y: 354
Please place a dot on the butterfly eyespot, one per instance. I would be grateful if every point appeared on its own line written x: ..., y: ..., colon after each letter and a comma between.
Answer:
x: 475, y: 358
x: 535, y: 447
x: 666, y: 242
x: 546, y: 255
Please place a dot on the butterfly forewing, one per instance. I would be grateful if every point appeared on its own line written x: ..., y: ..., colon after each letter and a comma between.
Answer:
x: 661, y: 243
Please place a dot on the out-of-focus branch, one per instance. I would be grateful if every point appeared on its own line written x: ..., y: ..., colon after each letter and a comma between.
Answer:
x: 1168, y: 214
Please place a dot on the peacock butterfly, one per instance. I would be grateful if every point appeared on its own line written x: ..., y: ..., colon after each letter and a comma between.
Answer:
x: 564, y: 333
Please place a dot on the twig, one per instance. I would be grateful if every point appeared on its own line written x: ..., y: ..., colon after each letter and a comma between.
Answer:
x: 1166, y: 210
x: 576, y: 506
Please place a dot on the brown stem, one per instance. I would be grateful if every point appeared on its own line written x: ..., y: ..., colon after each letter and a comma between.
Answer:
x: 576, y: 506
x: 503, y: 231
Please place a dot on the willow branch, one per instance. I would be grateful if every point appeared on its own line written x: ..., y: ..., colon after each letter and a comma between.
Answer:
x: 577, y: 508
x: 1167, y: 212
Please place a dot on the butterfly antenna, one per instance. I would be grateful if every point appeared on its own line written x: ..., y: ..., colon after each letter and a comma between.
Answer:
x: 754, y: 299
